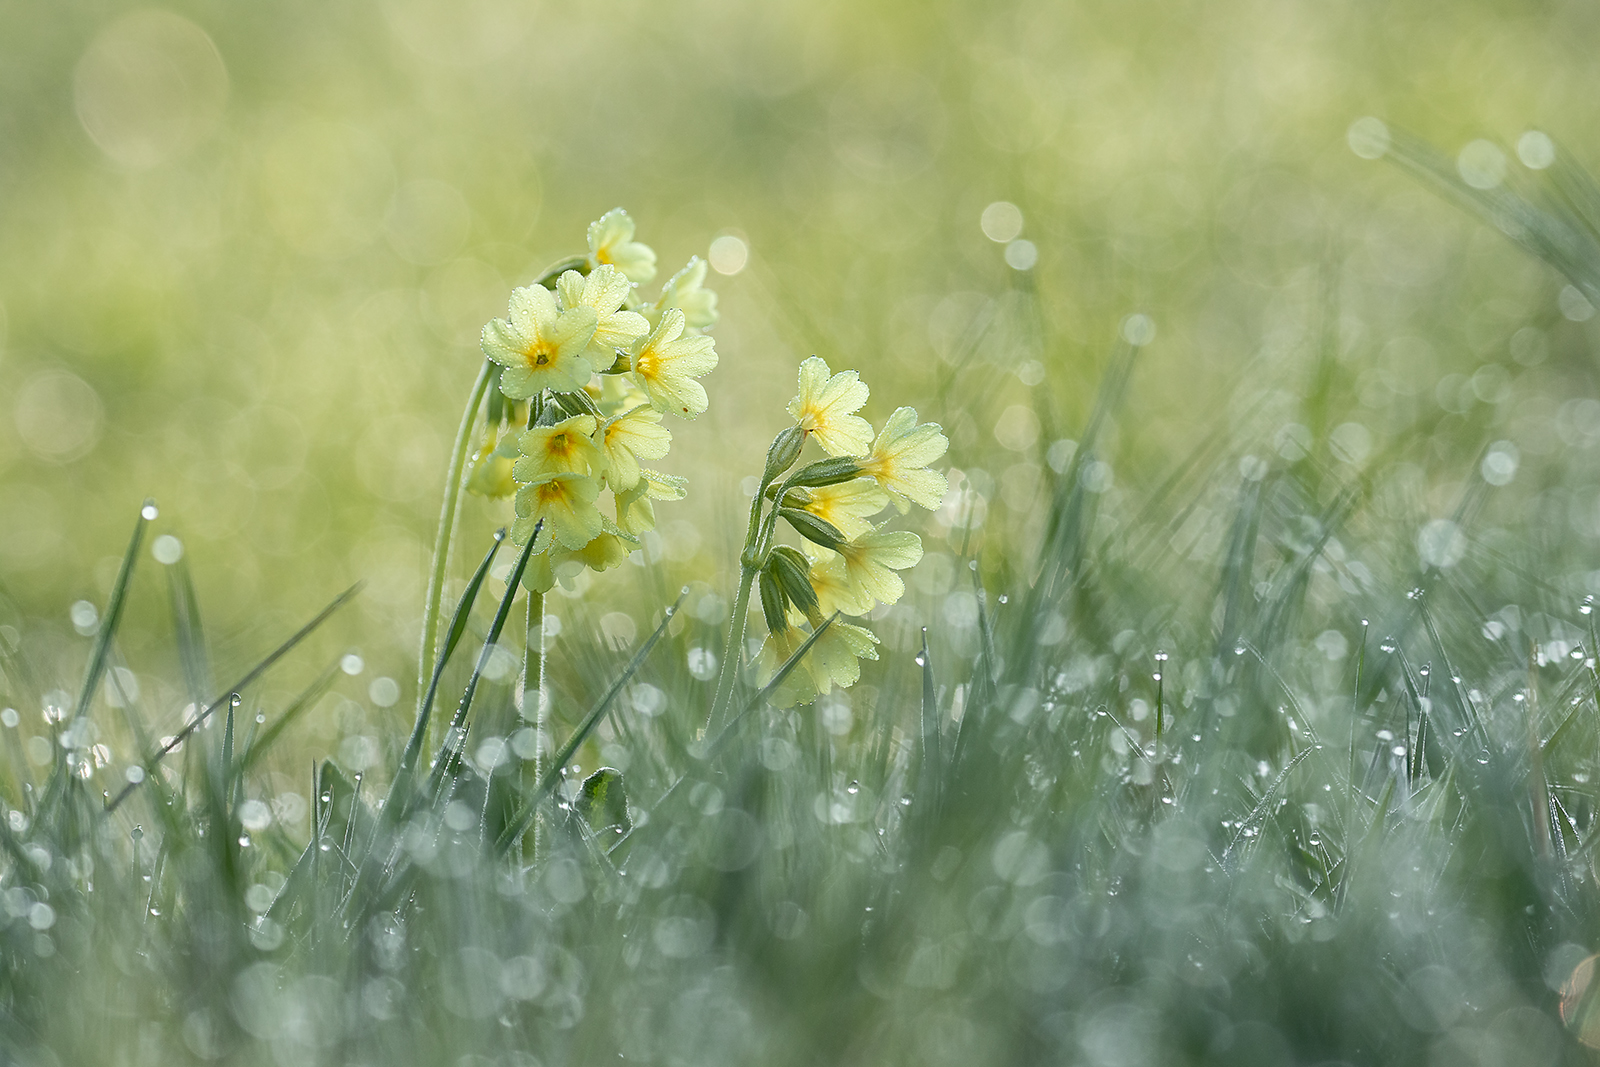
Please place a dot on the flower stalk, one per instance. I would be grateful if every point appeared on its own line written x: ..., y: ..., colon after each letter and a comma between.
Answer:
x: 449, y: 517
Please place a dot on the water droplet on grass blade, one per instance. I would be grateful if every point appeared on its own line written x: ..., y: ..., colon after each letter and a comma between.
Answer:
x: 149, y: 511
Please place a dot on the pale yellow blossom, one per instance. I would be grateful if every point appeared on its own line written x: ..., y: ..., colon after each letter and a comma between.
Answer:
x: 848, y: 506
x: 626, y: 438
x: 864, y: 568
x: 635, y: 511
x: 604, y: 291
x: 611, y: 241
x: 899, y: 459
x: 686, y: 291
x: 566, y: 446
x: 826, y: 406
x: 667, y: 363
x: 540, y: 345
x: 566, y: 503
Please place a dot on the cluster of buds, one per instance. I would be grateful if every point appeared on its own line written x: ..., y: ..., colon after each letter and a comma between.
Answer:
x: 587, y: 370
x: 848, y: 562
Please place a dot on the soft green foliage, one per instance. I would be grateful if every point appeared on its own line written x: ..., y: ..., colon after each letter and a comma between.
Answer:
x: 1242, y: 710
x: 1271, y: 763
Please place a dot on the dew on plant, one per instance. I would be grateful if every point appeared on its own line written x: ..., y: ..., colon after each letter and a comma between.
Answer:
x: 701, y: 736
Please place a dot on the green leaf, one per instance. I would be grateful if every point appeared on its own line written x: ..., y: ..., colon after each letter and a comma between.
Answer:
x: 603, y: 802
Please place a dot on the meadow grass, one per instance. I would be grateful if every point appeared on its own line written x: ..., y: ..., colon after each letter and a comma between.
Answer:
x: 1271, y: 762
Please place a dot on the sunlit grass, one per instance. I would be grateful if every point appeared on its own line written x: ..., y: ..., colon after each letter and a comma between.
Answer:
x: 1287, y: 757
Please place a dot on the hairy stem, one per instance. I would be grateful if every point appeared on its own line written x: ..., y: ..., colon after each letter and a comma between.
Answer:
x: 533, y: 685
x: 733, y: 652
x: 449, y: 515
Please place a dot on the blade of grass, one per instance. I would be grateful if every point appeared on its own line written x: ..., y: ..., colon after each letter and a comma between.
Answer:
x: 519, y: 823
x: 191, y: 636
x: 250, y: 676
x: 113, y: 615
x: 458, y: 722
x: 297, y: 707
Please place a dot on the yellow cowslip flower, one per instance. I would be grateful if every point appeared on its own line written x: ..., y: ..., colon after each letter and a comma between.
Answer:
x: 611, y: 241
x: 833, y: 660
x: 797, y: 687
x: 566, y: 446
x: 667, y: 363
x: 686, y: 291
x: 604, y: 291
x: 540, y: 345
x: 833, y: 587
x: 635, y: 512
x: 837, y: 655
x: 566, y: 503
x: 491, y: 467
x: 849, y: 506
x: 625, y: 438
x: 826, y: 408
x: 899, y: 460
x: 608, y: 550
x: 864, y: 568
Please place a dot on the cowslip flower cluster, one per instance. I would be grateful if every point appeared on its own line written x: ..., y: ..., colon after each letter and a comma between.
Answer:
x: 587, y: 371
x: 849, y: 561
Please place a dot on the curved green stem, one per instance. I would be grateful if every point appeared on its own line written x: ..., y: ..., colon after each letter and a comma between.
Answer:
x: 533, y: 684
x: 733, y: 652
x: 449, y: 515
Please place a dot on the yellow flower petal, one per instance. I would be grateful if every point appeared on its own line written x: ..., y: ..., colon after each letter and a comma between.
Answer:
x: 566, y: 503
x: 668, y: 361
x: 611, y: 241
x: 899, y: 460
x: 566, y: 446
x: 825, y: 406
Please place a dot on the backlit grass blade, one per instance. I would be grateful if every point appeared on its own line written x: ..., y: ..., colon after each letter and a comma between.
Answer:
x: 259, y: 746
x: 520, y: 822
x: 113, y: 615
x: 250, y: 676
x: 458, y: 722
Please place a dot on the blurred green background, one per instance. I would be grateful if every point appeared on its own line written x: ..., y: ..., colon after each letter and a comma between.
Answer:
x: 245, y: 252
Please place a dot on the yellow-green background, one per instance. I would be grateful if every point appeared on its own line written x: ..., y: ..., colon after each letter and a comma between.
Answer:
x: 269, y: 324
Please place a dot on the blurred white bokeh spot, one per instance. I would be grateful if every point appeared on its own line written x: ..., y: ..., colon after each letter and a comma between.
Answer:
x: 729, y: 254
x: 150, y: 86
x: 59, y: 416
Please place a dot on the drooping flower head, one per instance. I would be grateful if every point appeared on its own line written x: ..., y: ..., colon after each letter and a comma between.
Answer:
x: 491, y: 467
x: 667, y: 363
x: 611, y: 241
x: 899, y: 459
x: 864, y: 568
x: 635, y: 511
x: 604, y: 291
x: 540, y: 345
x: 834, y: 659
x: 826, y: 406
x: 848, y: 506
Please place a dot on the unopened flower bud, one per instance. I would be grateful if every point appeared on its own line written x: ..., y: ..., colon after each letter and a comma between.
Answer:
x: 827, y: 472
x: 772, y: 606
x: 816, y: 530
x: 784, y: 451
x: 793, y: 573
